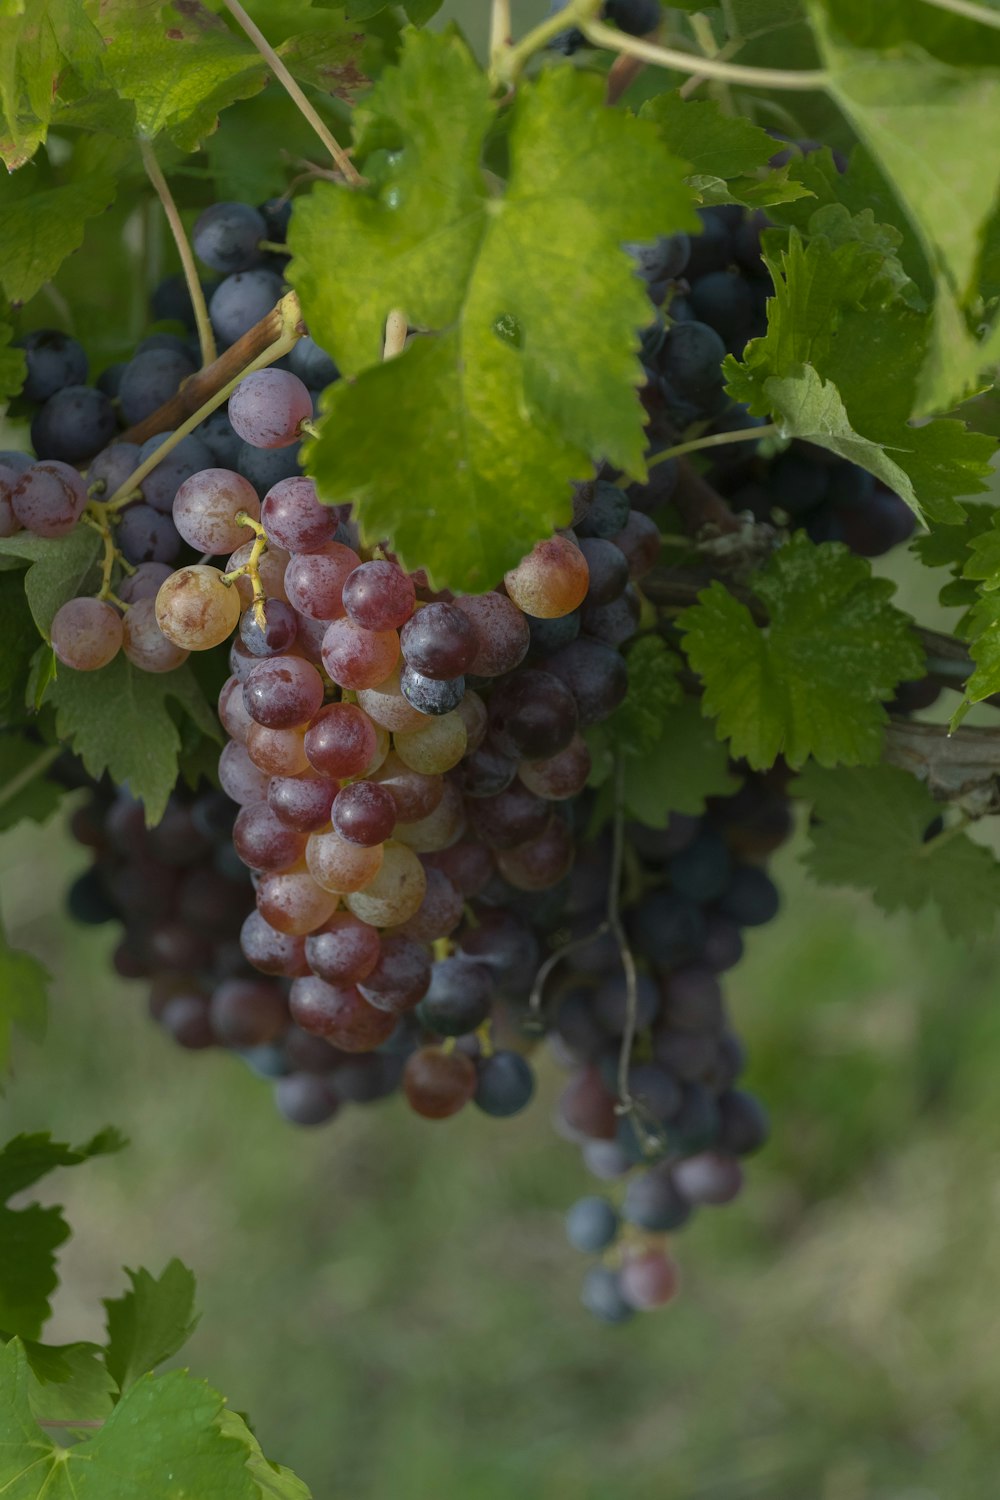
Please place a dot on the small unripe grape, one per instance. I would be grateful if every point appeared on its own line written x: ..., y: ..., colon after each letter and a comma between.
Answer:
x: 396, y: 891
x: 196, y: 610
x: 86, y: 634
x: 435, y: 747
x: 338, y: 865
x: 144, y: 643
x: 551, y: 581
x: 437, y: 1083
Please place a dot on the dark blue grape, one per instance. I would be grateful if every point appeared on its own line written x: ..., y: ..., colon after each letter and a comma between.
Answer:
x: 171, y: 301
x: 548, y: 636
x: 54, y: 360
x: 226, y: 236
x: 266, y: 467
x: 714, y: 248
x: 610, y: 1002
x: 144, y: 535
x: 655, y: 1087
x: 692, y: 999
x: 305, y: 1099
x: 241, y: 301
x: 88, y: 901
x: 312, y: 364
x: 591, y: 1225
x: 487, y: 771
x: 112, y: 467
x: 636, y: 17
x: 223, y: 444
x: 172, y: 341
x: 608, y: 511
x: 277, y: 634
x: 614, y: 623
x: 691, y: 360
x: 696, y: 1124
x: 652, y: 1202
x: 662, y: 260
x: 431, y: 695
x: 751, y: 898
x: 797, y: 483
x: 701, y: 871
x: 277, y: 215
x: 187, y: 457
x: 110, y: 379
x: 745, y: 1126
x: 608, y: 567
x: 458, y: 999
x: 505, y: 1084
x: 74, y: 424
x: 151, y: 379
x: 602, y: 1297
x: 725, y: 301
x: 666, y: 928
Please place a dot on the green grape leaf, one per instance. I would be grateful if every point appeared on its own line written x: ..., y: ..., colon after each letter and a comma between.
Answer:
x: 273, y: 1481
x: 12, y: 365
x: 329, y: 60
x: 68, y: 1382
x: 118, y: 720
x: 162, y: 1441
x: 37, y: 43
x: 981, y: 628
x: 814, y: 680
x: 24, y: 792
x: 686, y: 765
x: 30, y: 1237
x: 43, y: 220
x: 838, y: 367
x: 149, y: 1323
x: 178, y: 65
x: 750, y: 192
x: 419, y: 12
x: 984, y: 559
x: 17, y: 632
x: 923, y: 94
x: 24, y: 989
x: 62, y: 568
x: 868, y: 832
x: 711, y: 143
x: 523, y: 379
x: 639, y: 723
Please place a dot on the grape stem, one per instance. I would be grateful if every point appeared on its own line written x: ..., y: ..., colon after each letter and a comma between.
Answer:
x: 294, y: 92
x: 716, y: 440
x: 28, y: 773
x: 535, y: 998
x: 500, y: 29
x: 484, y: 1036
x: 971, y: 12
x: 92, y: 517
x: 706, y: 67
x: 221, y: 380
x: 206, y: 338
x: 507, y: 64
x: 251, y: 568
x: 946, y: 835
x: 396, y: 328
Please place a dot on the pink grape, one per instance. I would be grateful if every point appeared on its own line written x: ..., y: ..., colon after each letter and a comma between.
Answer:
x: 292, y: 902
x: 414, y: 794
x: 267, y: 409
x: 648, y: 1279
x: 283, y: 692
x: 341, y: 741
x: 502, y: 633
x: 301, y: 802
x: 86, y: 634
x: 263, y: 842
x: 358, y: 658
x: 294, y: 517
x: 205, y: 509
x: 279, y: 752
x: 144, y: 643
x: 239, y: 777
x: 338, y: 865
x: 271, y: 566
x: 314, y: 581
x: 344, y: 950
x: 271, y: 951
x: 439, y: 913
x: 541, y: 862
x: 144, y: 583
x: 379, y: 596
x: 49, y: 498
x: 364, y: 812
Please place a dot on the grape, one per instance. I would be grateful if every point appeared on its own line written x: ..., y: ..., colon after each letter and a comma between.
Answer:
x: 270, y: 951
x: 505, y: 1084
x: 648, y: 1279
x: 751, y: 898
x: 385, y: 704
x: 509, y: 818
x: 247, y: 1013
x: 400, y: 978
x: 429, y: 695
x: 292, y: 902
x: 205, y: 508
x: 268, y: 407
x: 415, y: 795
x: 723, y: 947
x: 501, y: 631
x: 540, y: 863
x: 267, y: 467
x: 559, y: 776
x: 149, y: 380
x: 271, y: 565
x: 468, y: 866
x: 144, y: 535
x: 195, y: 609
x: 340, y: 1014
x: 309, y: 638
x: 608, y: 569
x: 53, y: 360
x: 591, y: 1225
x: 294, y: 517
x: 226, y: 235
x: 187, y: 1020
x: 435, y: 747
x: 595, y: 674
x: 653, y: 1202
x: 440, y: 829
x: 701, y: 871
x: 548, y: 636
x: 602, y: 1296
x: 144, y: 643
x: 610, y: 1003
x: 110, y: 379
x: 504, y: 944
x: 614, y: 623
x: 239, y: 777
x: 439, y: 913
x: 725, y: 301
x: 74, y: 425
x: 49, y: 498
x: 709, y: 1178
x: 640, y: 542
x: 276, y: 635
x: 12, y: 466
x: 279, y: 752
x: 338, y: 865
x: 221, y: 442
x: 438, y: 1084
x: 487, y: 771
x: 439, y: 641
x: 358, y: 658
x: 312, y: 364
x: 638, y: 18
x: 379, y: 596
x: 691, y: 358
x: 301, y: 802
x: 396, y: 891
x: 283, y: 692
x: 263, y: 842
x: 344, y: 951
x: 314, y: 581
x: 473, y: 714
x: 744, y: 1126
x: 305, y: 1099
x: 609, y: 510
x: 532, y: 714
x: 241, y: 661
x: 696, y: 1124
x: 186, y: 457
x: 340, y: 741
x: 111, y: 467
x: 241, y: 301
x: 86, y: 634
x: 364, y: 813
x: 551, y: 581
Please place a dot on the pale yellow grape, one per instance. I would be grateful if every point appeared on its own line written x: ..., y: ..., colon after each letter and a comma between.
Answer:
x: 440, y: 829
x: 382, y: 748
x: 196, y: 610
x: 473, y: 713
x: 396, y: 891
x: 386, y: 705
x: 145, y: 645
x: 436, y: 746
x: 338, y: 865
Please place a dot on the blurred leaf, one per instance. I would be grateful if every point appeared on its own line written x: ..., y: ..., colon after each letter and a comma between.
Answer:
x: 24, y: 986
x: 42, y: 221
x: 62, y: 568
x: 686, y: 765
x: 38, y: 40
x: 24, y: 791
x: 149, y: 1323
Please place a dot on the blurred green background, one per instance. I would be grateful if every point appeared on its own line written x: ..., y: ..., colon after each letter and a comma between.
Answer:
x: 393, y: 1302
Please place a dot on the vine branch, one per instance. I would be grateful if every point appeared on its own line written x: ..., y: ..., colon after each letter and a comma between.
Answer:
x: 971, y: 12
x: 705, y: 67
x: 29, y: 773
x: 206, y: 337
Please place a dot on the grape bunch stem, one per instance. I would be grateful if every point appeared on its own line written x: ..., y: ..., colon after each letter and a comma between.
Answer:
x: 251, y: 568
x: 203, y: 323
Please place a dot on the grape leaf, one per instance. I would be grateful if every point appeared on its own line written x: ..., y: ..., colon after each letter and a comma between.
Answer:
x: 62, y: 568
x: 23, y: 792
x: 524, y: 379
x: 923, y: 94
x: 686, y: 765
x: 838, y: 367
x: 814, y: 680
x: 12, y: 365
x: 37, y: 42
x: 329, y: 60
x: 30, y: 1237
x: 42, y: 219
x: 981, y: 628
x: 149, y: 1323
x: 19, y: 644
x: 178, y: 65
x: 274, y: 1482
x: 984, y: 559
x: 639, y: 723
x: 118, y: 720
x: 69, y: 1382
x: 162, y: 1441
x: 24, y: 985
x: 697, y: 132
x: 869, y: 833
